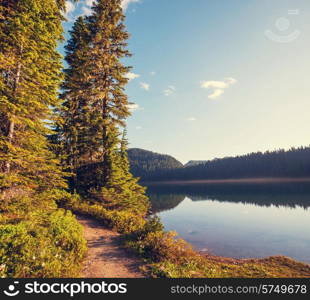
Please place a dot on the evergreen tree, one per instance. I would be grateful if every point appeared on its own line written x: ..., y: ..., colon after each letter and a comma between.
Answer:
x: 75, y: 116
x: 123, y: 190
x: 106, y: 77
x: 96, y: 106
x: 30, y: 74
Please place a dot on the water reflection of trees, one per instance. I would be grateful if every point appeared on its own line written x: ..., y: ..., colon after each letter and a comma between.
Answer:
x: 161, y: 202
x: 288, y: 195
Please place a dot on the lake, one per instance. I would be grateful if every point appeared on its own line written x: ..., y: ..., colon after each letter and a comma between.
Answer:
x: 239, y: 220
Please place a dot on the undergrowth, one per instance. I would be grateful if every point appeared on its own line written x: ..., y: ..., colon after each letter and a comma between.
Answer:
x: 37, y: 239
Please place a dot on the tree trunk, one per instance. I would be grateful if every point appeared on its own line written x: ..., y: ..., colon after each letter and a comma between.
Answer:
x: 104, y: 140
x: 7, y: 166
x: 11, y: 122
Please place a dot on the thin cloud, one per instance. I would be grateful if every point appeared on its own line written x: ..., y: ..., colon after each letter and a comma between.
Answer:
x: 125, y: 3
x: 134, y: 107
x: 170, y: 90
x: 86, y: 11
x: 191, y: 119
x: 231, y: 80
x: 216, y: 94
x: 132, y: 76
x: 86, y: 8
x: 70, y: 8
x: 153, y: 73
x: 89, y: 2
x: 218, y: 86
x: 145, y: 86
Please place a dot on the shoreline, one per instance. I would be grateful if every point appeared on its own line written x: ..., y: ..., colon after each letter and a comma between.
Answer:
x: 239, y: 261
x: 263, y: 180
x: 242, y: 261
x: 168, y: 255
x: 276, y: 260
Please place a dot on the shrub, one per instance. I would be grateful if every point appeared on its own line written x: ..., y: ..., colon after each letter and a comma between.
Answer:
x: 126, y: 222
x: 159, y: 245
x: 123, y: 221
x: 53, y: 248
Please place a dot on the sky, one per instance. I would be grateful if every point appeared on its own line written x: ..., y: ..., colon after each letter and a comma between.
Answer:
x: 216, y: 78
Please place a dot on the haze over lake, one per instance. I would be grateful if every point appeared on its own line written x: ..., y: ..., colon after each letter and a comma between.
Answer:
x: 237, y: 219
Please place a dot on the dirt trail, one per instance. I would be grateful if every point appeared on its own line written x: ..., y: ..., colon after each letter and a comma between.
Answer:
x: 105, y: 257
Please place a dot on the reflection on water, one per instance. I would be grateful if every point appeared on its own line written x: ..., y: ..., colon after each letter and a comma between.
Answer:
x: 238, y: 220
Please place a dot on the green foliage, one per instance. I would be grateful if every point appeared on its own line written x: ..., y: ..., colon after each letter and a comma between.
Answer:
x: 49, y: 245
x: 94, y: 111
x: 123, y: 221
x: 121, y: 190
x: 36, y: 239
x: 152, y: 225
x: 28, y: 42
x: 94, y: 100
x: 159, y: 245
x: 75, y: 120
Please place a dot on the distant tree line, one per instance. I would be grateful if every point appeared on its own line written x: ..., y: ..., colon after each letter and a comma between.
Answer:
x: 143, y: 162
x: 280, y: 163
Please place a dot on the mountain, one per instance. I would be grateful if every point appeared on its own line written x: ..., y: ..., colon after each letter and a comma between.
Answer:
x: 192, y: 163
x: 292, y: 163
x: 143, y: 163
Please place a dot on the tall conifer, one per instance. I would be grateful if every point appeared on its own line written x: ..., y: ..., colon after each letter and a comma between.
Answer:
x: 30, y: 74
x: 75, y: 109
x: 96, y: 106
x: 106, y: 77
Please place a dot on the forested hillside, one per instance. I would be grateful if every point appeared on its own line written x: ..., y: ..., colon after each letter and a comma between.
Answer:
x: 143, y: 162
x: 292, y: 163
x: 194, y: 163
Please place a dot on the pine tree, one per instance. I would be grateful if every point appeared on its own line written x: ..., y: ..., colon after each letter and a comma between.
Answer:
x: 30, y: 74
x: 96, y: 106
x: 74, y: 114
x: 106, y: 75
x: 123, y: 191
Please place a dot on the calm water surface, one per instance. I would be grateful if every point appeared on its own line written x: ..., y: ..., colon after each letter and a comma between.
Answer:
x: 238, y: 220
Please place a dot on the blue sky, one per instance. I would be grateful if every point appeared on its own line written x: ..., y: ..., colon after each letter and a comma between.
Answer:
x: 215, y: 78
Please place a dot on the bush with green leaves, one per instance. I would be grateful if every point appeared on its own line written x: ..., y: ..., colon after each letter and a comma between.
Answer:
x: 45, y: 245
x: 123, y: 221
